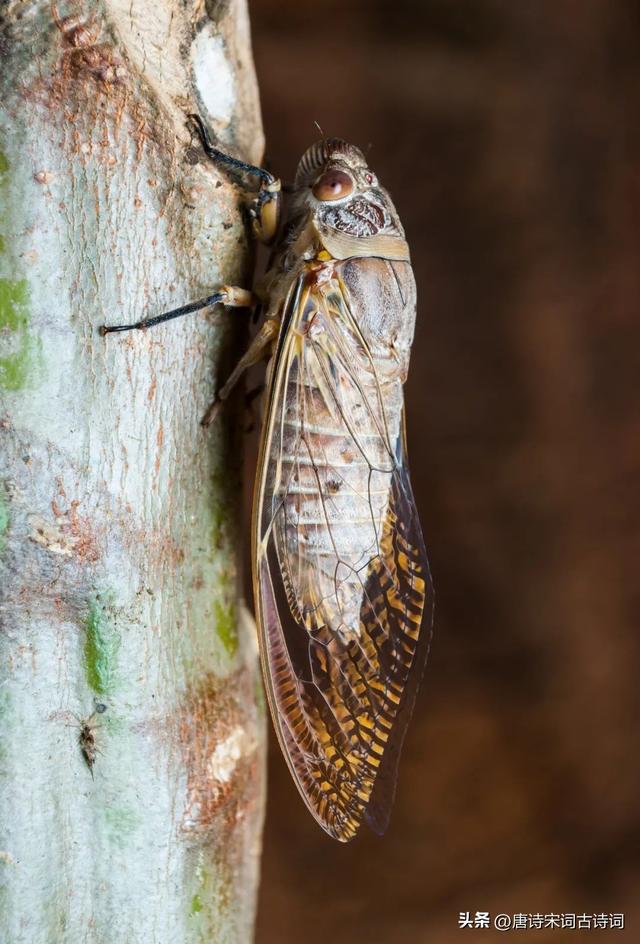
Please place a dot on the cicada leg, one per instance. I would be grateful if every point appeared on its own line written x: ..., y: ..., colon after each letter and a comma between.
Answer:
x: 228, y: 295
x: 259, y: 349
x: 264, y: 208
x: 264, y: 211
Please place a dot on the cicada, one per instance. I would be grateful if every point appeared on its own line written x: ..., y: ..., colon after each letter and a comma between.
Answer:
x: 343, y: 594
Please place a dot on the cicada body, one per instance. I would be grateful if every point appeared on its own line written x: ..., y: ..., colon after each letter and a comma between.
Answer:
x: 341, y: 577
x: 342, y: 588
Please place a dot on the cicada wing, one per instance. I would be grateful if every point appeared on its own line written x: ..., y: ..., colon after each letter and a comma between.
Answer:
x: 399, y: 603
x: 341, y: 574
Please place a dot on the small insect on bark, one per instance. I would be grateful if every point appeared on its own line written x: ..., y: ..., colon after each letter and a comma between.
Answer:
x: 342, y: 588
x: 87, y: 737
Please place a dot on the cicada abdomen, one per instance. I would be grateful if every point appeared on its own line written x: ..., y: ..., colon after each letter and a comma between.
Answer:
x: 341, y: 575
x: 342, y: 588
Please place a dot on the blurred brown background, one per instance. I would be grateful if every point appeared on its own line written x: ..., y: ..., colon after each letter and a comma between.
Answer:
x: 507, y: 133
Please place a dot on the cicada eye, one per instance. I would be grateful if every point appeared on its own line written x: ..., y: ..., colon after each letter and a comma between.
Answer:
x: 332, y: 185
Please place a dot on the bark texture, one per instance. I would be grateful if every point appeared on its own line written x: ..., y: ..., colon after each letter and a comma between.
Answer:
x: 118, y: 515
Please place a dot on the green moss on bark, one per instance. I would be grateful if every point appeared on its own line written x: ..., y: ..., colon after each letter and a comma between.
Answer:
x: 226, y: 625
x: 101, y: 649
x: 14, y: 330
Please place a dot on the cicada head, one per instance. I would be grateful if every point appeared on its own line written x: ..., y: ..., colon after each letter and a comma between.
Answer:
x: 335, y: 185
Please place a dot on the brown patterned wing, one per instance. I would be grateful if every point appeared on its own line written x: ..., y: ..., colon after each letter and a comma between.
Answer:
x: 342, y: 585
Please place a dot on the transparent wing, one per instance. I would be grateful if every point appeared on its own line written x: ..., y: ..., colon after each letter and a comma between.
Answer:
x: 342, y: 583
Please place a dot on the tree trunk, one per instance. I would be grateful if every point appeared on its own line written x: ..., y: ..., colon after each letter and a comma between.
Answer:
x: 119, y: 531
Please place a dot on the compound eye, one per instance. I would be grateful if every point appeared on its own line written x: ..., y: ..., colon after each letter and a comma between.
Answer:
x: 332, y: 185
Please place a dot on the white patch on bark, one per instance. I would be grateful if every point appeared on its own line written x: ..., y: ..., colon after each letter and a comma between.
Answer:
x: 226, y: 755
x: 50, y: 536
x: 213, y: 75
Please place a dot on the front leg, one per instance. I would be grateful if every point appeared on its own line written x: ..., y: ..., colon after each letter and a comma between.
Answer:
x: 228, y: 295
x: 265, y: 207
x: 264, y: 210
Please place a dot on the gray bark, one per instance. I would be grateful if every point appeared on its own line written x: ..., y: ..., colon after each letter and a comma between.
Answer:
x: 119, y: 535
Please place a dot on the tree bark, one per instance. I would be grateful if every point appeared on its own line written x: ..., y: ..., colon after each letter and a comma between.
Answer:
x: 119, y: 531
